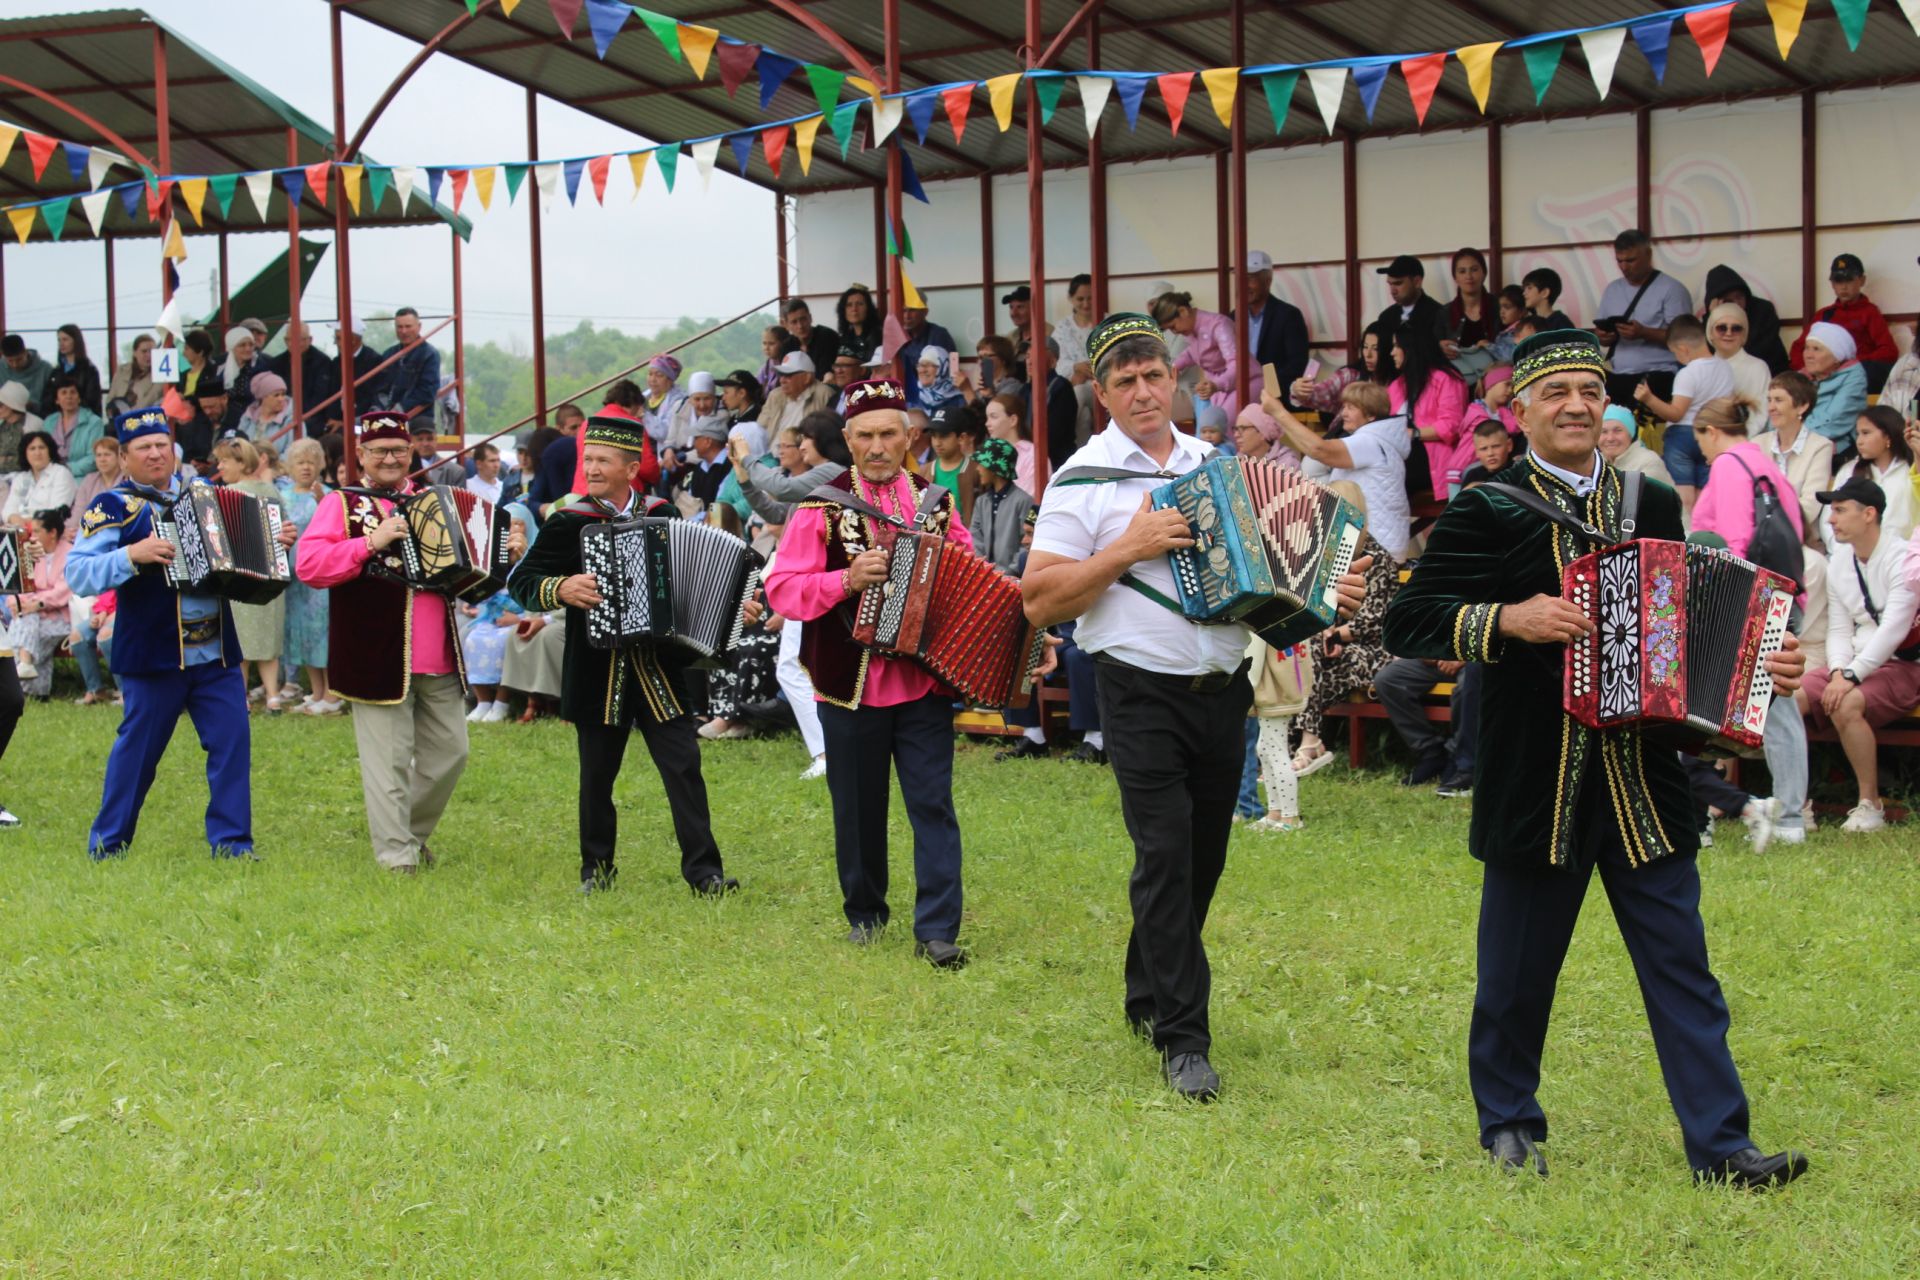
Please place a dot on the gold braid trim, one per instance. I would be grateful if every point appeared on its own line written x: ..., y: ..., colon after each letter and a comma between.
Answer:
x: 1459, y: 618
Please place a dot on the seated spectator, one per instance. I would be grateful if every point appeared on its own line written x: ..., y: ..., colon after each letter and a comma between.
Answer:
x: 15, y: 424
x: 427, y: 464
x: 1255, y: 435
x: 952, y: 462
x: 1006, y: 419
x: 1883, y: 456
x: 532, y: 662
x: 1442, y: 758
x: 706, y: 470
x: 73, y: 362
x: 775, y: 344
x: 196, y: 360
x: 1512, y: 308
x: 1002, y: 373
x: 1472, y: 319
x: 1725, y: 285
x: 798, y: 394
x: 21, y: 364
x: 41, y: 624
x: 1371, y: 452
x: 820, y: 342
x: 271, y: 408
x: 244, y: 363
x: 753, y: 443
x: 747, y: 682
x: 1348, y: 656
x: 936, y: 389
x: 91, y: 644
x: 44, y: 485
x: 1496, y: 404
x: 859, y: 322
x: 848, y: 368
x: 1868, y: 682
x: 1210, y: 348
x: 1851, y: 310
x: 195, y: 437
x: 1620, y: 445
x: 104, y: 475
x: 486, y: 481
x: 1702, y: 377
x: 1805, y: 456
x: 661, y: 410
x: 316, y: 371
x: 483, y: 643
x: 740, y: 396
x: 1727, y: 333
x: 73, y: 426
x: 1540, y: 297
x: 1901, y: 390
x: 1434, y: 400
x: 1000, y: 506
x: 557, y: 459
x: 1374, y: 364
x: 133, y: 386
x: 307, y: 607
x: 820, y: 455
x: 1210, y: 425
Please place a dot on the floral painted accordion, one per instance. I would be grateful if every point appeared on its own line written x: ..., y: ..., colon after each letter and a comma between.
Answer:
x: 1270, y: 547
x: 456, y: 544
x: 955, y: 614
x: 14, y: 576
x: 1680, y: 641
x: 225, y: 543
x: 668, y: 581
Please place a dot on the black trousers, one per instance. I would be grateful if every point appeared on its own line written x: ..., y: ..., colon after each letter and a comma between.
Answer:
x: 1527, y: 917
x: 13, y: 701
x: 675, y: 749
x: 1177, y: 755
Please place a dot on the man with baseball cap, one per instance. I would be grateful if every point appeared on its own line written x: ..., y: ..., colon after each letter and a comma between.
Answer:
x: 1872, y: 341
x: 800, y: 393
x: 1411, y: 305
x: 1276, y: 330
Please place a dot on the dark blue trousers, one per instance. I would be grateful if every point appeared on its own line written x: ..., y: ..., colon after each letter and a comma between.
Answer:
x: 865, y: 745
x: 1083, y: 701
x: 215, y: 696
x: 1526, y: 920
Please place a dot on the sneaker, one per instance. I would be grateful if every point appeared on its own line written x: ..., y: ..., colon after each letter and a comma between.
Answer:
x: 323, y: 707
x: 1706, y: 835
x: 1759, y: 817
x: 1789, y: 835
x: 6, y: 817
x: 1868, y: 815
x: 479, y: 712
x: 818, y: 769
x: 499, y: 712
x: 1454, y: 785
x: 1807, y: 818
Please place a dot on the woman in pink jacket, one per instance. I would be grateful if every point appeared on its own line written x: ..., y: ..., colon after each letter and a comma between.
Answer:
x: 1210, y: 345
x: 1725, y: 504
x: 1434, y: 398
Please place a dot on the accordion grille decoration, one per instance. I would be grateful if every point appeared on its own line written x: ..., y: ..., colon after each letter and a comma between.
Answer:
x: 668, y: 581
x: 14, y: 578
x: 225, y: 543
x: 1679, y: 646
x: 1270, y: 547
x: 456, y: 544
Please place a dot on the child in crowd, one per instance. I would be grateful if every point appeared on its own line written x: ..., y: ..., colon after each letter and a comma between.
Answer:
x: 951, y: 466
x: 999, y: 506
x: 1210, y: 424
x: 1281, y: 678
x: 1702, y: 377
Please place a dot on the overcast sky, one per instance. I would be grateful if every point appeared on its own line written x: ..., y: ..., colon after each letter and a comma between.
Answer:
x: 632, y: 265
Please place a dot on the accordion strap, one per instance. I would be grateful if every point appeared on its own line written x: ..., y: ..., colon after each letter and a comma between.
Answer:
x: 1630, y: 486
x: 930, y: 499
x: 1105, y: 475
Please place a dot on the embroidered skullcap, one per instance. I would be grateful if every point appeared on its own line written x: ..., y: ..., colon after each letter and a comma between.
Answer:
x: 130, y: 426
x: 997, y: 456
x: 1556, y: 351
x: 1120, y: 325
x: 615, y: 428
x: 382, y: 424
x: 875, y: 393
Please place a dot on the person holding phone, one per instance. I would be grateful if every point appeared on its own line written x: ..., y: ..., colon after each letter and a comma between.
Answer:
x: 1635, y: 311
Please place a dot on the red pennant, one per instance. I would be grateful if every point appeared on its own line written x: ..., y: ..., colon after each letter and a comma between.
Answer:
x: 460, y: 177
x: 1423, y: 78
x: 1709, y: 28
x: 1174, y: 87
x: 41, y: 149
x: 157, y: 196
x: 597, y: 174
x: 736, y: 63
x: 959, y: 101
x: 175, y: 406
x: 773, y: 142
x: 317, y: 180
x: 565, y: 14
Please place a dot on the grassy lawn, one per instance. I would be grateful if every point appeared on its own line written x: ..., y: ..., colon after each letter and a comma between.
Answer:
x: 306, y: 1067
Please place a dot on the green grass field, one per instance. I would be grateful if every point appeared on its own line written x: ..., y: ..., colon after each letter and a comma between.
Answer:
x: 307, y: 1067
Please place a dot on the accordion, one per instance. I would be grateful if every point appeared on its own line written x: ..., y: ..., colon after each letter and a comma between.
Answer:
x: 1270, y: 547
x: 955, y: 614
x: 667, y: 581
x: 225, y: 543
x: 456, y: 544
x: 14, y: 575
x: 1680, y: 641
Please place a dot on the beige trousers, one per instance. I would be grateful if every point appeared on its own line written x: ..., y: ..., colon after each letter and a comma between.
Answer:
x: 411, y: 755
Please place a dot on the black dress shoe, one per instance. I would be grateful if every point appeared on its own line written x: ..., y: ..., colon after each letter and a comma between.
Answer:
x: 1512, y: 1150
x: 717, y: 886
x: 1455, y: 785
x: 1025, y: 749
x: 426, y: 856
x: 1431, y: 764
x: 864, y: 935
x: 1087, y: 754
x: 599, y: 881
x: 1752, y: 1171
x: 941, y: 955
x: 1192, y: 1076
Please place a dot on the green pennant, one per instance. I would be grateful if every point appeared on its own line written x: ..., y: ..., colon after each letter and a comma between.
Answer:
x: 666, y: 30
x: 1853, y: 20
x: 842, y: 122
x: 473, y: 8
x: 826, y: 84
x: 904, y: 249
x: 379, y: 177
x: 153, y: 179
x: 1279, y: 88
x: 223, y: 186
x: 1048, y: 88
x: 55, y: 212
x: 1543, y: 60
x: 516, y: 174
x: 667, y: 159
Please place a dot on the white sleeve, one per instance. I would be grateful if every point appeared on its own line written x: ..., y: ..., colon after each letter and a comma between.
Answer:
x: 1840, y: 607
x: 1065, y: 526
x: 1896, y: 619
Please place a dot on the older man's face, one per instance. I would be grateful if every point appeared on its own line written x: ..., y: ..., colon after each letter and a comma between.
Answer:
x: 795, y: 384
x: 406, y: 328
x: 609, y: 472
x: 846, y: 370
x: 1020, y: 312
x: 1139, y: 397
x: 1256, y: 287
x: 1562, y: 418
x: 912, y: 317
x: 878, y: 441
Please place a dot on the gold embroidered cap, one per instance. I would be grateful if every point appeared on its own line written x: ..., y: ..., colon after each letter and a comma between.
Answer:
x: 874, y: 393
x: 1122, y: 324
x: 1557, y: 351
x: 616, y: 428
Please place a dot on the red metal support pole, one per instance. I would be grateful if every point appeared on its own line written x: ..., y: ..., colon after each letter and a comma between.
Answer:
x: 1350, y: 210
x: 296, y: 382
x: 459, y: 340
x: 539, y: 285
x: 1643, y: 169
x: 113, y: 315
x: 888, y: 296
x: 1037, y: 365
x: 163, y: 126
x: 986, y: 253
x: 890, y: 34
x: 1096, y: 191
x: 1809, y: 205
x: 1222, y: 228
x: 1238, y: 144
x: 780, y: 244
x: 226, y: 292
x: 3, y: 285
x: 350, y: 462
x: 1496, y: 215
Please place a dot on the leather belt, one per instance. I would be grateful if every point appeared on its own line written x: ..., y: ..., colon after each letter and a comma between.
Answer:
x: 1211, y: 682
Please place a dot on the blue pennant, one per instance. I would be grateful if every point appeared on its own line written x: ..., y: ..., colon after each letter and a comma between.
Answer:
x: 130, y: 198
x: 1652, y: 37
x: 571, y: 171
x: 774, y: 71
x: 605, y: 18
x: 77, y: 156
x: 1131, y: 90
x: 434, y: 177
x: 173, y: 277
x: 1368, y: 81
x: 920, y: 109
x: 742, y: 144
x: 909, y: 180
x: 295, y: 181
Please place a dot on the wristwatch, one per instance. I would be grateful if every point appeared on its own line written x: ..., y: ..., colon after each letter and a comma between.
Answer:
x: 1851, y: 678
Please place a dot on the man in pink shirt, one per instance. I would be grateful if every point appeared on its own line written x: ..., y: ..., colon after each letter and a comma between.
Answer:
x: 393, y: 650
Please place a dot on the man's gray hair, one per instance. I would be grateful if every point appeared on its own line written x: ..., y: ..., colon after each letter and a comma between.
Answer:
x: 1136, y: 349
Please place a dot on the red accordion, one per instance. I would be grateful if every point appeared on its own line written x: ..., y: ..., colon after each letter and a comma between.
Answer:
x: 955, y: 614
x: 1679, y: 646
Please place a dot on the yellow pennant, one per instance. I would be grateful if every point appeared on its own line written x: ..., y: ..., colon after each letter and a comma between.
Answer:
x: 350, y: 175
x: 1787, y: 16
x: 1222, y: 84
x: 1000, y: 94
x: 637, y: 161
x: 859, y: 85
x: 508, y: 6
x: 697, y: 43
x: 194, y: 192
x: 22, y: 220
x: 176, y: 246
x: 7, y: 135
x: 1478, y: 60
x: 803, y: 132
x: 483, y: 185
x: 910, y: 298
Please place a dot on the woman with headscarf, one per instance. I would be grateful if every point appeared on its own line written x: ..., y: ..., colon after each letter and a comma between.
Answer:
x: 1727, y: 330
x: 663, y: 398
x: 936, y: 387
x: 748, y: 440
x: 271, y: 409
x: 244, y: 363
x: 1840, y: 384
x: 1620, y: 445
x: 1256, y: 435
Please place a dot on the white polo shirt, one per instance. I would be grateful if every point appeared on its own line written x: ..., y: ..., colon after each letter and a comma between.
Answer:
x: 1078, y: 520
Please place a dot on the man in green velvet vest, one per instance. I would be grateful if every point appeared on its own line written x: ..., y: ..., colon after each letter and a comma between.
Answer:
x: 1554, y: 800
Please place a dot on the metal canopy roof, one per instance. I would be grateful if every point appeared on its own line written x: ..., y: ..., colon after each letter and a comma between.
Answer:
x: 638, y: 87
x: 102, y: 65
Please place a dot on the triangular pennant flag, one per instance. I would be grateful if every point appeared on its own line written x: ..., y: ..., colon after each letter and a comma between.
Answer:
x: 1223, y: 85
x: 774, y: 71
x: 1653, y: 39
x: 844, y: 117
x: 741, y: 145
x: 1174, y: 88
x: 1542, y: 60
x: 1133, y: 91
x: 920, y: 110
x: 1909, y: 7
x: 379, y: 177
x: 697, y: 43
x: 736, y: 63
x: 1602, y: 49
x: 910, y: 299
x: 459, y: 177
x: 826, y: 84
x: 773, y: 143
x: 169, y: 322
x: 506, y: 6
x: 350, y: 184
x: 546, y: 177
x: 292, y: 181
x: 1478, y: 60
x: 260, y: 187
x: 637, y: 163
x: 483, y: 180
x: 1048, y: 88
x: 98, y: 162
x: 958, y: 101
x: 7, y: 134
x: 566, y: 14
x: 669, y: 161
x: 597, y: 175
x: 317, y: 180
x: 1787, y: 16
x: 176, y: 249
x: 1709, y: 30
x: 1000, y: 97
x: 436, y: 174
x: 705, y: 152
x: 1328, y: 83
x: 22, y: 219
x: 893, y: 336
x: 606, y: 17
x: 95, y: 207
x: 887, y: 113
x: 1369, y: 80
x: 1853, y: 20
x: 910, y: 181
x: 55, y: 213
x: 803, y: 135
x: 1423, y: 78
x: 194, y: 192
x: 1279, y: 90
x: 152, y: 178
x: 904, y: 248
x: 571, y: 170
x: 224, y: 185
x: 515, y: 174
x: 158, y: 196
x: 1094, y: 92
x: 41, y: 148
x: 77, y: 154
x: 666, y: 30
x: 130, y: 196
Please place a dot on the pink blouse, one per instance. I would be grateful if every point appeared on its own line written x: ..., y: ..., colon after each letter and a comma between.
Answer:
x: 326, y: 557
x: 1211, y: 346
x: 1443, y: 408
x: 49, y: 577
x: 1725, y: 505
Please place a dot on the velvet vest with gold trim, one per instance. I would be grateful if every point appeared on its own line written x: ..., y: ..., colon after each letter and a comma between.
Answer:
x: 370, y: 621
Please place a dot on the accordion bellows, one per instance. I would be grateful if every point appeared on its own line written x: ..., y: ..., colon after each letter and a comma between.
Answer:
x: 1679, y: 646
x: 456, y: 543
x: 955, y: 614
x: 1270, y: 547
x: 14, y: 577
x: 667, y: 581
x: 225, y: 543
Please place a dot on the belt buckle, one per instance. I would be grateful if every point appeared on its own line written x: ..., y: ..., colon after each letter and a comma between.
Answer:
x: 1199, y: 684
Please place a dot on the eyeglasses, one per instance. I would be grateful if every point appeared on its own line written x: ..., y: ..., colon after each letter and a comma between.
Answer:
x: 1729, y: 328
x: 387, y: 453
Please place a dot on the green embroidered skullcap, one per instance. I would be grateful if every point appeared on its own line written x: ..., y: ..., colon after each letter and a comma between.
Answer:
x: 1557, y: 351
x: 1120, y: 325
x: 615, y: 428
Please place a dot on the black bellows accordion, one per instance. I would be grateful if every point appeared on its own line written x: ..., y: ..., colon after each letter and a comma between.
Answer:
x: 667, y: 581
x: 456, y: 543
x: 225, y: 543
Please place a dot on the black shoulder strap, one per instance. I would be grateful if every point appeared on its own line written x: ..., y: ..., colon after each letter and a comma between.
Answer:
x: 1547, y: 511
x: 1866, y: 595
x: 930, y: 499
x: 1641, y: 293
x: 1631, y: 482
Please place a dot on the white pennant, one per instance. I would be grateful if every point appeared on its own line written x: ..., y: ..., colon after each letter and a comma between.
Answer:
x: 1328, y: 84
x: 704, y: 154
x: 169, y: 321
x: 404, y: 176
x: 1094, y: 91
x: 260, y: 187
x: 95, y: 207
x: 886, y: 117
x: 98, y: 162
x: 1603, y: 51
x: 547, y: 178
x: 1912, y: 9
